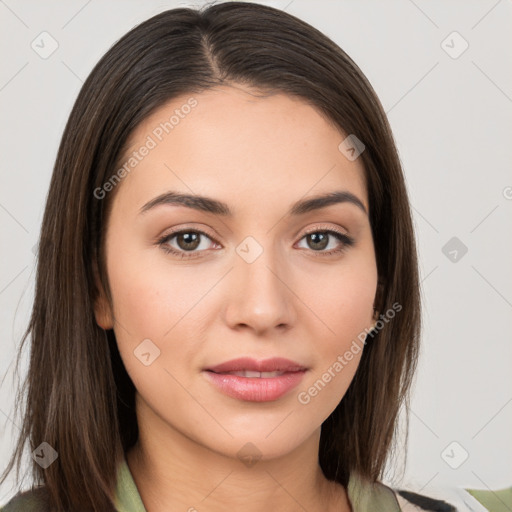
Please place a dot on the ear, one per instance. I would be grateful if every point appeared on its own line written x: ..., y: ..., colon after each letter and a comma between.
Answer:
x: 379, y: 297
x: 102, y: 310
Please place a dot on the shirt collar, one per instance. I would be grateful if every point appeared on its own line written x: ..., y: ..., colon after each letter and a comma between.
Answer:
x: 127, y: 495
x: 362, y: 494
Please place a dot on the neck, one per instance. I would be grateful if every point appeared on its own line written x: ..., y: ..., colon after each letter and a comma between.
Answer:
x: 176, y: 473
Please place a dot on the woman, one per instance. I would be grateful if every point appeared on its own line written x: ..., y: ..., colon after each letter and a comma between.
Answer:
x: 227, y: 307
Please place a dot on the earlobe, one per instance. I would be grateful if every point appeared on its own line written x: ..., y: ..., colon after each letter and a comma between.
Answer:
x: 375, y: 319
x: 102, y: 309
x: 379, y: 295
x: 377, y: 302
x: 102, y: 312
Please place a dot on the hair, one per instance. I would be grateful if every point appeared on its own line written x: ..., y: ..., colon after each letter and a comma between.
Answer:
x: 80, y: 399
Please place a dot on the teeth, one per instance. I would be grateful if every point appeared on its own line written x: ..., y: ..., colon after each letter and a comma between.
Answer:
x: 256, y: 375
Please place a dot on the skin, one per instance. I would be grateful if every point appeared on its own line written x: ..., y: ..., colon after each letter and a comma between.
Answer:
x: 259, y: 155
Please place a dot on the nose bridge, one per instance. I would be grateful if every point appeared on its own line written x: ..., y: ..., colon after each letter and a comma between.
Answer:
x: 257, y: 265
x: 262, y: 299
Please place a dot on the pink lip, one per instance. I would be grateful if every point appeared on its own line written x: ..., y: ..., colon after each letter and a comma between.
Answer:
x: 256, y: 389
x: 275, y: 364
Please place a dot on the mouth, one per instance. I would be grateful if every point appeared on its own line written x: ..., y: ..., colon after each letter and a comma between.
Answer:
x: 247, y: 364
x: 252, y: 374
x: 256, y: 381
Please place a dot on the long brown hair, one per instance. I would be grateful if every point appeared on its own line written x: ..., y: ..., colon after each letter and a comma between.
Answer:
x: 80, y: 399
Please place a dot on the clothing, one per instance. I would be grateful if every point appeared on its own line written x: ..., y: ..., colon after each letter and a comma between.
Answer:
x: 497, y: 501
x: 363, y: 496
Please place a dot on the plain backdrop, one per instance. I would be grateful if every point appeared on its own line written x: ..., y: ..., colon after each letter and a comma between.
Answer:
x: 442, y: 72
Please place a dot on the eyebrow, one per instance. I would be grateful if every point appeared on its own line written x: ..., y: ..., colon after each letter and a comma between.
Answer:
x: 210, y: 205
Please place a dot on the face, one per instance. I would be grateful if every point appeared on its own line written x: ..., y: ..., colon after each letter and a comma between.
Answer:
x: 255, y: 278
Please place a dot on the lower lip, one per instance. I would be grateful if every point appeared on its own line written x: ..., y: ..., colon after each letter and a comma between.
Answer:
x: 253, y: 389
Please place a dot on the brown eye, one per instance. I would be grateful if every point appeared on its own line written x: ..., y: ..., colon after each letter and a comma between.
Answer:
x: 320, y: 240
x: 188, y: 240
x: 189, y: 243
x: 186, y: 243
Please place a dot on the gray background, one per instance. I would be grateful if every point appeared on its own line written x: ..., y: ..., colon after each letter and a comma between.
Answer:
x: 451, y: 115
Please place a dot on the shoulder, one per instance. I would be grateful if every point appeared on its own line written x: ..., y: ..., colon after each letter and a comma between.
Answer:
x: 372, y: 496
x: 413, y: 502
x: 33, y: 500
x: 499, y: 500
x: 447, y: 499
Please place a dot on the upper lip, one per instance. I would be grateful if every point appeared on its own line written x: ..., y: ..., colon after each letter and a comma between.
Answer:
x: 274, y: 364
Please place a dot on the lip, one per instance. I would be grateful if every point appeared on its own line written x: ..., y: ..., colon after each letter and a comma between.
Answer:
x: 274, y: 364
x: 256, y: 389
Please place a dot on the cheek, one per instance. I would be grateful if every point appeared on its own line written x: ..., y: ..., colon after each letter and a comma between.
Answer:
x: 342, y: 309
x: 155, y: 318
x: 341, y: 299
x: 158, y: 333
x: 350, y: 308
x: 151, y: 296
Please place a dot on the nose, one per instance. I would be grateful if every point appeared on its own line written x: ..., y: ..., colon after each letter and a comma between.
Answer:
x: 261, y: 297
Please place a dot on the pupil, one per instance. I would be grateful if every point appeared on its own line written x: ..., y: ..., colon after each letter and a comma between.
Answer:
x: 323, y: 240
x: 191, y: 240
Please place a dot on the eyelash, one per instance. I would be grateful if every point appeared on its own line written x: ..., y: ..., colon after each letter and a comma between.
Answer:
x: 346, y: 240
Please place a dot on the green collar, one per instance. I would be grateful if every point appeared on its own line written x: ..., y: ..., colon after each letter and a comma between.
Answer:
x: 127, y: 494
x: 362, y: 495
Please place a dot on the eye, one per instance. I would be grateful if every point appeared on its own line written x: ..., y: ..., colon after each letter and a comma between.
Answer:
x: 188, y: 243
x: 320, y: 239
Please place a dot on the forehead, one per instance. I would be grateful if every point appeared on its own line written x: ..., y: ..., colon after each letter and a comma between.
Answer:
x: 233, y: 142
